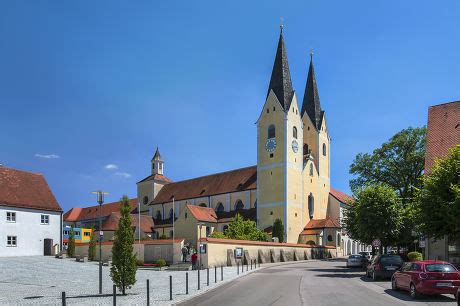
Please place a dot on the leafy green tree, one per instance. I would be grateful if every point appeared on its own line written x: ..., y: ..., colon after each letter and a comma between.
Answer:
x: 71, y: 243
x: 375, y: 214
x: 278, y: 230
x: 217, y: 234
x: 92, y: 246
x: 438, y: 202
x: 241, y: 229
x: 124, y: 265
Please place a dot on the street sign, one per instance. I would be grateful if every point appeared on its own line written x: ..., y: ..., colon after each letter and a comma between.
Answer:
x: 422, y: 243
x: 101, y: 233
x: 376, y: 243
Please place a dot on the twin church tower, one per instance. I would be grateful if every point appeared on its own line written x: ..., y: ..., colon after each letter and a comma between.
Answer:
x: 293, y: 152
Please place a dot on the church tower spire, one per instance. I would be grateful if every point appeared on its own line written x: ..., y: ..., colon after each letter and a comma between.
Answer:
x: 280, y: 81
x: 157, y: 163
x: 311, y: 103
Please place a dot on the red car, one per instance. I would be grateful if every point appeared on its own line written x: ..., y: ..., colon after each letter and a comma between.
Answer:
x: 428, y: 277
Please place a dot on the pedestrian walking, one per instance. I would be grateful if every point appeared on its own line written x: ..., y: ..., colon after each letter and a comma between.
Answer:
x: 194, y: 260
x: 184, y: 254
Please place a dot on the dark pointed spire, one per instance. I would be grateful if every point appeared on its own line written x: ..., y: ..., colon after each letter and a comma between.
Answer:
x: 157, y: 154
x: 280, y: 81
x: 311, y: 103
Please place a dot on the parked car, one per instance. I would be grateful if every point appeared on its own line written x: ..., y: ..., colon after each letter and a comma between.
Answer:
x: 355, y: 260
x: 383, y: 266
x: 428, y: 277
x: 365, y: 254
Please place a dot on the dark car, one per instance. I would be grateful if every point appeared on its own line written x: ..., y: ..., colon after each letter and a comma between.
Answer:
x: 383, y: 266
x: 427, y: 277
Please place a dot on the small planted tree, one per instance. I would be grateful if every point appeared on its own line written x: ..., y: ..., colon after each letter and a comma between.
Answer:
x: 241, y: 229
x: 92, y: 246
x: 278, y: 230
x: 124, y: 264
x: 71, y: 243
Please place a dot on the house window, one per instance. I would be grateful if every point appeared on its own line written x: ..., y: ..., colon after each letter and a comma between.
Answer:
x: 220, y: 207
x: 239, y: 205
x: 324, y: 149
x: 294, y: 132
x: 329, y: 238
x: 87, y: 234
x: 146, y: 200
x: 311, y: 205
x: 11, y: 241
x: 271, y: 131
x: 10, y: 216
x: 185, y: 216
x: 45, y: 219
x: 208, y: 231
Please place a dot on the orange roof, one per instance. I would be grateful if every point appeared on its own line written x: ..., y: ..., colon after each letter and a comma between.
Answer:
x: 443, y: 131
x: 26, y: 190
x: 203, y: 214
x: 310, y: 232
x: 92, y: 212
x: 156, y: 177
x: 111, y: 223
x: 340, y: 196
x: 219, y: 183
x: 322, y: 223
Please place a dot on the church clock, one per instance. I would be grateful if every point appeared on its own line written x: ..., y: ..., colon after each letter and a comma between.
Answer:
x: 270, y: 145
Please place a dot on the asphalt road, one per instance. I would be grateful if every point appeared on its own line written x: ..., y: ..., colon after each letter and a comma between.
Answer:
x: 310, y: 283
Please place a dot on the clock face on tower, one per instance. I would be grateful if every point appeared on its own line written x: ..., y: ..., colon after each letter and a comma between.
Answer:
x: 295, y: 146
x: 270, y: 145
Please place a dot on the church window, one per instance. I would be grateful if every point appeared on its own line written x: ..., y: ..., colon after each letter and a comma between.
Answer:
x: 146, y: 200
x: 239, y: 205
x: 186, y: 215
x: 324, y: 149
x: 161, y: 166
x: 311, y: 169
x: 296, y: 214
x: 329, y: 238
x: 305, y: 149
x: 273, y: 108
x: 271, y: 155
x: 271, y: 213
x: 171, y: 213
x: 294, y: 132
x: 203, y: 205
x: 158, y: 215
x: 220, y: 207
x: 267, y: 111
x: 311, y: 205
x: 271, y: 131
x: 308, y: 128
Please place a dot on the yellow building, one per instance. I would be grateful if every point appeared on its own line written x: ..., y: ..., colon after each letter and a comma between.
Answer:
x: 291, y: 180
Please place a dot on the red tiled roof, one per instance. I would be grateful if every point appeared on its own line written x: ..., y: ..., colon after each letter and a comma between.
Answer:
x: 340, y: 196
x: 92, y: 212
x: 219, y: 183
x: 250, y: 242
x: 26, y: 190
x: 156, y: 177
x: 322, y: 223
x: 310, y: 232
x: 203, y: 214
x: 269, y: 230
x: 443, y: 131
x: 111, y: 223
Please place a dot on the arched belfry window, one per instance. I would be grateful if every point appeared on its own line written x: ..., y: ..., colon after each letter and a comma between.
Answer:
x: 271, y: 131
x: 311, y: 205
x: 220, y: 207
x: 324, y: 149
x: 294, y: 132
x: 311, y: 169
x: 239, y: 205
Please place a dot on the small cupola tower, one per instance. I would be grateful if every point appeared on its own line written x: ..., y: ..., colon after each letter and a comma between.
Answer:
x: 157, y: 163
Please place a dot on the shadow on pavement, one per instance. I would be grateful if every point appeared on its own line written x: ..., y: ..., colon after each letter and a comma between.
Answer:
x: 404, y: 296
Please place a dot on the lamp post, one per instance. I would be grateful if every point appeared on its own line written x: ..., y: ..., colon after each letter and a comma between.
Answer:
x: 100, y: 199
x: 174, y: 230
x: 199, y: 248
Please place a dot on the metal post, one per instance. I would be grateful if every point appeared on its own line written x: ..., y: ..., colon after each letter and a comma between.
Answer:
x: 100, y: 248
x: 221, y: 273
x: 170, y: 287
x: 114, y: 295
x: 198, y: 279
x: 247, y: 266
x: 199, y: 249
x: 251, y: 264
x: 207, y: 276
x: 215, y: 274
x: 63, y: 298
x: 237, y: 268
x: 186, y: 282
x: 242, y: 266
x: 148, y: 292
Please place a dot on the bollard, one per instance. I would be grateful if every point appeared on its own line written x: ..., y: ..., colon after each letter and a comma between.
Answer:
x: 251, y: 264
x: 221, y: 273
x: 148, y: 293
x: 237, y: 268
x: 198, y: 279
x: 114, y: 295
x: 170, y: 287
x: 186, y: 282
x: 207, y: 276
x: 215, y: 274
x: 247, y: 266
x: 63, y: 298
x: 242, y: 266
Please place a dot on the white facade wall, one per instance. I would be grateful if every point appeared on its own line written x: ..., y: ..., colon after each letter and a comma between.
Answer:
x: 29, y: 231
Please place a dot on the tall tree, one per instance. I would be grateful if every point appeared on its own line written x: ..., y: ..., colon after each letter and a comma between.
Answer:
x: 278, y: 230
x: 375, y: 214
x: 124, y: 266
x: 241, y: 229
x: 438, y: 202
x: 71, y: 243
x: 92, y: 246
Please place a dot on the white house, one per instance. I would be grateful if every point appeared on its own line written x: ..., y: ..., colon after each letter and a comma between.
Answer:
x: 30, y: 216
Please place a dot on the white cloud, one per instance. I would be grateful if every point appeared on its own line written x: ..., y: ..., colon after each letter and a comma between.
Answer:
x: 111, y: 167
x: 47, y: 156
x: 123, y: 174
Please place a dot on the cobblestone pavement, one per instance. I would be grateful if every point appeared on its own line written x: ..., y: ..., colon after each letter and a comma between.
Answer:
x: 41, y: 280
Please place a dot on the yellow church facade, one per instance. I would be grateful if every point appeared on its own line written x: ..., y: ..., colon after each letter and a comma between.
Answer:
x: 291, y: 180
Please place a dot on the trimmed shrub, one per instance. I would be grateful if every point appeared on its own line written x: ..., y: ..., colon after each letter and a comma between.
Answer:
x: 217, y: 234
x: 161, y: 262
x: 415, y: 256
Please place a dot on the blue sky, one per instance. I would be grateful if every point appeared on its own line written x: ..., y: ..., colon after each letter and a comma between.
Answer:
x: 85, y: 84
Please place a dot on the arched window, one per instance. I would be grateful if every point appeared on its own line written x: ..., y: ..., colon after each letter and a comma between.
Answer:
x: 305, y: 149
x: 220, y: 207
x: 311, y: 169
x: 158, y: 215
x: 239, y: 205
x: 146, y: 200
x: 271, y: 131
x: 294, y: 132
x: 171, y: 214
x: 311, y: 205
x: 324, y: 149
x: 203, y: 205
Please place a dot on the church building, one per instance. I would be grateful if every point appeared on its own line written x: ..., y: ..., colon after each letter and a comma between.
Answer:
x: 291, y: 180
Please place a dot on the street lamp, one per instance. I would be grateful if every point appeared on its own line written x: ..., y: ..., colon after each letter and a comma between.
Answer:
x: 199, y: 247
x: 100, y: 199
